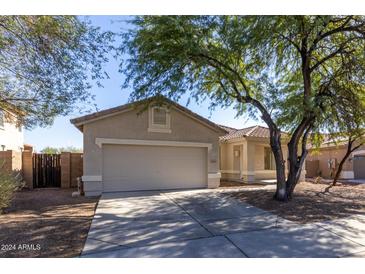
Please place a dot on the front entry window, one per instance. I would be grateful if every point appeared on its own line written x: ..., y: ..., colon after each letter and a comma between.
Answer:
x: 269, y: 159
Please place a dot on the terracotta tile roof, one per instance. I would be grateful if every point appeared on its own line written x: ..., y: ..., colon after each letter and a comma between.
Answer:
x: 261, y: 132
x: 254, y: 131
x: 228, y: 129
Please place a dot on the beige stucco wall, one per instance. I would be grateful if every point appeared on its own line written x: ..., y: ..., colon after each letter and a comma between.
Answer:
x: 259, y: 156
x: 227, y: 168
x: 130, y: 125
x: 10, y: 161
x: 252, y: 159
x: 226, y: 153
x: 11, y: 137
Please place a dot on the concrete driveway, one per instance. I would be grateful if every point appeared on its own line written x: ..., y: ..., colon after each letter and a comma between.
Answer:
x: 206, y: 223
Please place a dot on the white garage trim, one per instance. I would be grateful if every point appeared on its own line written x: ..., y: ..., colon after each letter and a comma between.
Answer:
x: 214, y: 175
x: 101, y: 141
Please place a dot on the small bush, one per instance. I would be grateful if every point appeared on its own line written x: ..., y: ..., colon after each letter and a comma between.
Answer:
x: 9, y: 183
x: 318, y: 180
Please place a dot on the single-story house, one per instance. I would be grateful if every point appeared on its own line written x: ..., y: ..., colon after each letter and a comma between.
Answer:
x: 323, y: 161
x: 163, y: 146
x: 158, y: 144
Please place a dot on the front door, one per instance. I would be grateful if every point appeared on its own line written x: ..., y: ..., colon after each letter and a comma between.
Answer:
x: 237, y: 158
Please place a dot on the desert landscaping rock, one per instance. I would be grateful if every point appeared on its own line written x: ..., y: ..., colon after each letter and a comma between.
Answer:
x: 50, y: 218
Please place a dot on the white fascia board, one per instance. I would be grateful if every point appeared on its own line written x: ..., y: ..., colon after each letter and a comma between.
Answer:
x: 110, y: 141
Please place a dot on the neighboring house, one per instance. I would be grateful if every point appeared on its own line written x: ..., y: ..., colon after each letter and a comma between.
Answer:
x: 163, y: 147
x: 11, y: 142
x: 324, y: 161
x: 246, y: 155
x: 11, y: 134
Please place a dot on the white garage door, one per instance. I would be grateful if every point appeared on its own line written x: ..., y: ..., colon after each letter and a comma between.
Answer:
x: 135, y: 167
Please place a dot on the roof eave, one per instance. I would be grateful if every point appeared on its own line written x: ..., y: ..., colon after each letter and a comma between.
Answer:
x: 80, y: 121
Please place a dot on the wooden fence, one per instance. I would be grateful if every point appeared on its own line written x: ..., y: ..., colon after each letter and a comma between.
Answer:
x: 46, y: 170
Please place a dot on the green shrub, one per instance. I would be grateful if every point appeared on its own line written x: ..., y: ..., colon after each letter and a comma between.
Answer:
x: 9, y: 183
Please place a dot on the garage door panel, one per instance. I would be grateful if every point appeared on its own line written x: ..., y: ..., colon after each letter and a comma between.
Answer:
x: 128, y: 167
x: 359, y: 167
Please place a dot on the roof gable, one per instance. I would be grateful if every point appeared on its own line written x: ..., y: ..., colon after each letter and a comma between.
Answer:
x: 80, y: 121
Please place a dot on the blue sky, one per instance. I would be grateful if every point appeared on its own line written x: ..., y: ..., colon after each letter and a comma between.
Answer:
x: 62, y: 133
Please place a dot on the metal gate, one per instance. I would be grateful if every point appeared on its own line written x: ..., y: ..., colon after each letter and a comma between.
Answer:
x: 46, y: 170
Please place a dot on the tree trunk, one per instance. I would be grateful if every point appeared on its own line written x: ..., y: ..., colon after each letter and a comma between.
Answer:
x: 339, y: 169
x: 284, y: 188
x: 349, y: 150
x: 295, y: 170
x: 275, y: 144
x: 295, y: 161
